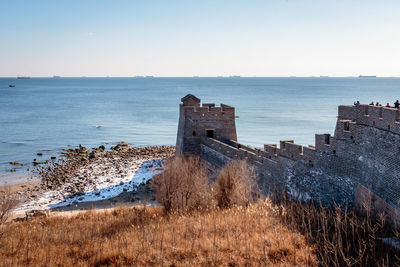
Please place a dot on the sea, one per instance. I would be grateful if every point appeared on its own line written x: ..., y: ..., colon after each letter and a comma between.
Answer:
x: 45, y: 115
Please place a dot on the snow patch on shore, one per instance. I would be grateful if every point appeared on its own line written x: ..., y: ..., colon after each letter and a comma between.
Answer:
x: 105, y: 186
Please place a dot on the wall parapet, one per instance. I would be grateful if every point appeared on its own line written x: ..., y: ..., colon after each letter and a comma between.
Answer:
x: 228, y: 149
x: 289, y: 149
x: 376, y: 116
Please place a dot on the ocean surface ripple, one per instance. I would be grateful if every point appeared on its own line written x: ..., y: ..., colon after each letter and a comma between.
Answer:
x: 46, y: 114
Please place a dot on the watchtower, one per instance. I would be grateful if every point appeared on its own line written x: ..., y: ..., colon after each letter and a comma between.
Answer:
x: 197, y: 121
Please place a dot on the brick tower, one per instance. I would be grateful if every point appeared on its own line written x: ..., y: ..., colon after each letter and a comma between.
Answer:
x: 197, y: 121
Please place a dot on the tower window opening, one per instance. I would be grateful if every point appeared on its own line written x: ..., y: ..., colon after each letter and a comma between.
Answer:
x: 347, y: 126
x: 210, y: 133
x: 327, y: 139
x: 194, y: 133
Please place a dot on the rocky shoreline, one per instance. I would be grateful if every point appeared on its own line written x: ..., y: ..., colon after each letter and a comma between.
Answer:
x: 89, y: 175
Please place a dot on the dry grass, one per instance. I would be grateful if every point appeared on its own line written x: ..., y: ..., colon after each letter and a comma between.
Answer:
x: 237, y: 236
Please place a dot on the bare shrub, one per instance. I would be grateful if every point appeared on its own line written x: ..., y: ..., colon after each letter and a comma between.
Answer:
x: 236, y: 185
x: 183, y: 185
x: 7, y: 203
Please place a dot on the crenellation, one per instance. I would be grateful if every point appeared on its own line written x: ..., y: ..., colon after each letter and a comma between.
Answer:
x: 308, y: 153
x: 282, y: 143
x: 202, y: 110
x: 216, y: 110
x: 294, y: 150
x: 209, y: 105
x: 288, y: 149
x: 345, y: 129
x: 271, y: 149
x: 322, y: 141
x: 346, y: 112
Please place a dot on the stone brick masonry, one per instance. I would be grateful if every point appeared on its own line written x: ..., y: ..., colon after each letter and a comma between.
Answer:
x: 362, y: 156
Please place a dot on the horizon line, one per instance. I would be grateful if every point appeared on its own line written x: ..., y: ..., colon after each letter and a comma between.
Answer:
x: 198, y: 76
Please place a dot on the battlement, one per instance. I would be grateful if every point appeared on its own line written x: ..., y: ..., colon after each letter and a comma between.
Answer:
x: 289, y: 149
x: 209, y: 110
x: 384, y: 118
x: 206, y: 120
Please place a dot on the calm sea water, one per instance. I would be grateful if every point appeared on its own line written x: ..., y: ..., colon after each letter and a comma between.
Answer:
x: 47, y: 114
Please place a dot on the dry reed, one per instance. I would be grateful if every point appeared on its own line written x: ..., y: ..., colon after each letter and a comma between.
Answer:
x: 236, y: 185
x: 342, y: 237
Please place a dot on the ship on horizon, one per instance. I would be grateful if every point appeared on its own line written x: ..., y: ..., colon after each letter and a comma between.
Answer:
x: 23, y: 77
x: 367, y: 76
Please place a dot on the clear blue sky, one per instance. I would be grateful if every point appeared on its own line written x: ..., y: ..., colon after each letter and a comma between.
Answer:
x: 205, y: 38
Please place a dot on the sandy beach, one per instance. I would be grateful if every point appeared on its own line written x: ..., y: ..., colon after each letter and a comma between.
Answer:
x: 12, y: 180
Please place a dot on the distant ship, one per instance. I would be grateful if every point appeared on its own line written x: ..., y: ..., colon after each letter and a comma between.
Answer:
x: 23, y: 77
x: 323, y: 76
x: 234, y: 76
x: 149, y: 76
x: 367, y: 76
x: 11, y: 85
x: 55, y: 76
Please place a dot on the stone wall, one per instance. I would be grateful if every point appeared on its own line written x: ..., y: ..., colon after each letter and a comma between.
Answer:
x: 359, y: 153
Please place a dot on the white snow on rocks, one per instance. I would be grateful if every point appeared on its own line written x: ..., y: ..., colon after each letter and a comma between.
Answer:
x: 104, y: 184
